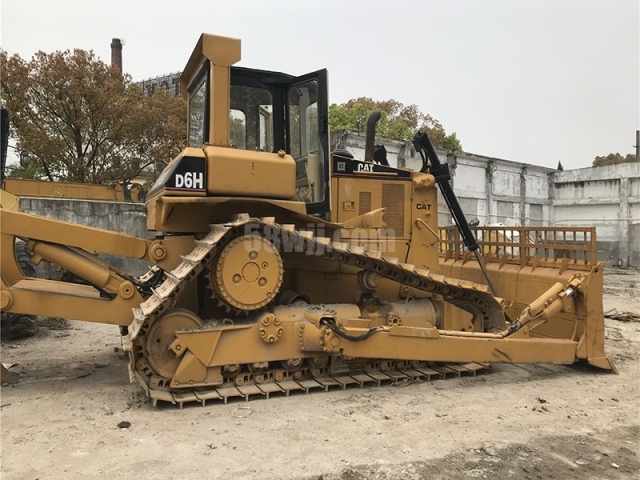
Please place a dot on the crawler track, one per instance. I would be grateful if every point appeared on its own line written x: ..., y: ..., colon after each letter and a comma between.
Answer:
x: 315, y: 374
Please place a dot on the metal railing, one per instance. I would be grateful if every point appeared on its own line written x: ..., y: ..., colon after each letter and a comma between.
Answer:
x: 558, y: 247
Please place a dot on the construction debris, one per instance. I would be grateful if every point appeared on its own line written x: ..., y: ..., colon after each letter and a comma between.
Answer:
x: 623, y: 316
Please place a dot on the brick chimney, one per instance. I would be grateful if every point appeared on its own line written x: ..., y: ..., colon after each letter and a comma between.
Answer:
x: 116, y: 53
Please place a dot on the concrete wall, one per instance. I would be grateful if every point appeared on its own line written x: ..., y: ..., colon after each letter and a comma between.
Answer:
x: 608, y: 198
x: 507, y: 192
x: 119, y: 217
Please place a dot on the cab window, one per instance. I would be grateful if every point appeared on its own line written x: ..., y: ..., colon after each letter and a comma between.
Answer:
x: 251, y: 118
x: 238, y: 129
x: 304, y: 142
x: 198, y: 113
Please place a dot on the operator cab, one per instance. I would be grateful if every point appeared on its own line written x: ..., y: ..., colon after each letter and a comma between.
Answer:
x: 267, y: 112
x: 272, y: 111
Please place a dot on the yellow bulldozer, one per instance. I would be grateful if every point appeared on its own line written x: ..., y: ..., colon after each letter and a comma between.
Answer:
x: 277, y: 266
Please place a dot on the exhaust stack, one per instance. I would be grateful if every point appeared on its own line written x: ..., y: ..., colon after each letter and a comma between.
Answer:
x: 371, y: 136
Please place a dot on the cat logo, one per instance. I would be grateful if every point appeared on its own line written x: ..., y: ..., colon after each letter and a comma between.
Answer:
x: 423, y: 206
x: 365, y: 167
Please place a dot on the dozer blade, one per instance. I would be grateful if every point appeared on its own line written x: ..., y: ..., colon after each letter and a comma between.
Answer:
x: 524, y: 262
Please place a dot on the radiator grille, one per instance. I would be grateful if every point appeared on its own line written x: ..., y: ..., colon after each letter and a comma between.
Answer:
x: 364, y: 203
x: 393, y: 201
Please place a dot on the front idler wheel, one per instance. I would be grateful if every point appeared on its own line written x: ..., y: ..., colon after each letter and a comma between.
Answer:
x: 162, y: 333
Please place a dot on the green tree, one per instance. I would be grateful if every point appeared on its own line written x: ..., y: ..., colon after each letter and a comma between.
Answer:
x: 83, y: 121
x: 398, y: 121
x: 612, y: 159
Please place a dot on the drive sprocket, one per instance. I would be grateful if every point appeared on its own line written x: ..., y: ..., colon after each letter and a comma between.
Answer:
x: 248, y: 273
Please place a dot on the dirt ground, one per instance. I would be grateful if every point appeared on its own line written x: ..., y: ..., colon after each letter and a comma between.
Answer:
x: 534, y: 422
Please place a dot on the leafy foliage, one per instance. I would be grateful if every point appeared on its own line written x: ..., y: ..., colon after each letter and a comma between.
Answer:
x: 398, y: 121
x: 83, y: 121
x: 612, y: 159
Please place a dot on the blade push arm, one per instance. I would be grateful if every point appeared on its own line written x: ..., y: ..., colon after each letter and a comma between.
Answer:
x: 440, y: 171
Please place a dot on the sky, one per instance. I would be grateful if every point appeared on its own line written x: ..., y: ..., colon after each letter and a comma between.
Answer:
x: 534, y: 81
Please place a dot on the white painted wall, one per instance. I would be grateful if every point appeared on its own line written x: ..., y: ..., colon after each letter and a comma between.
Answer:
x: 607, y: 198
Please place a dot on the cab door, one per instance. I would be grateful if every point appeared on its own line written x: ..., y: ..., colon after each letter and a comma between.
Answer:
x: 272, y: 111
x: 307, y: 120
